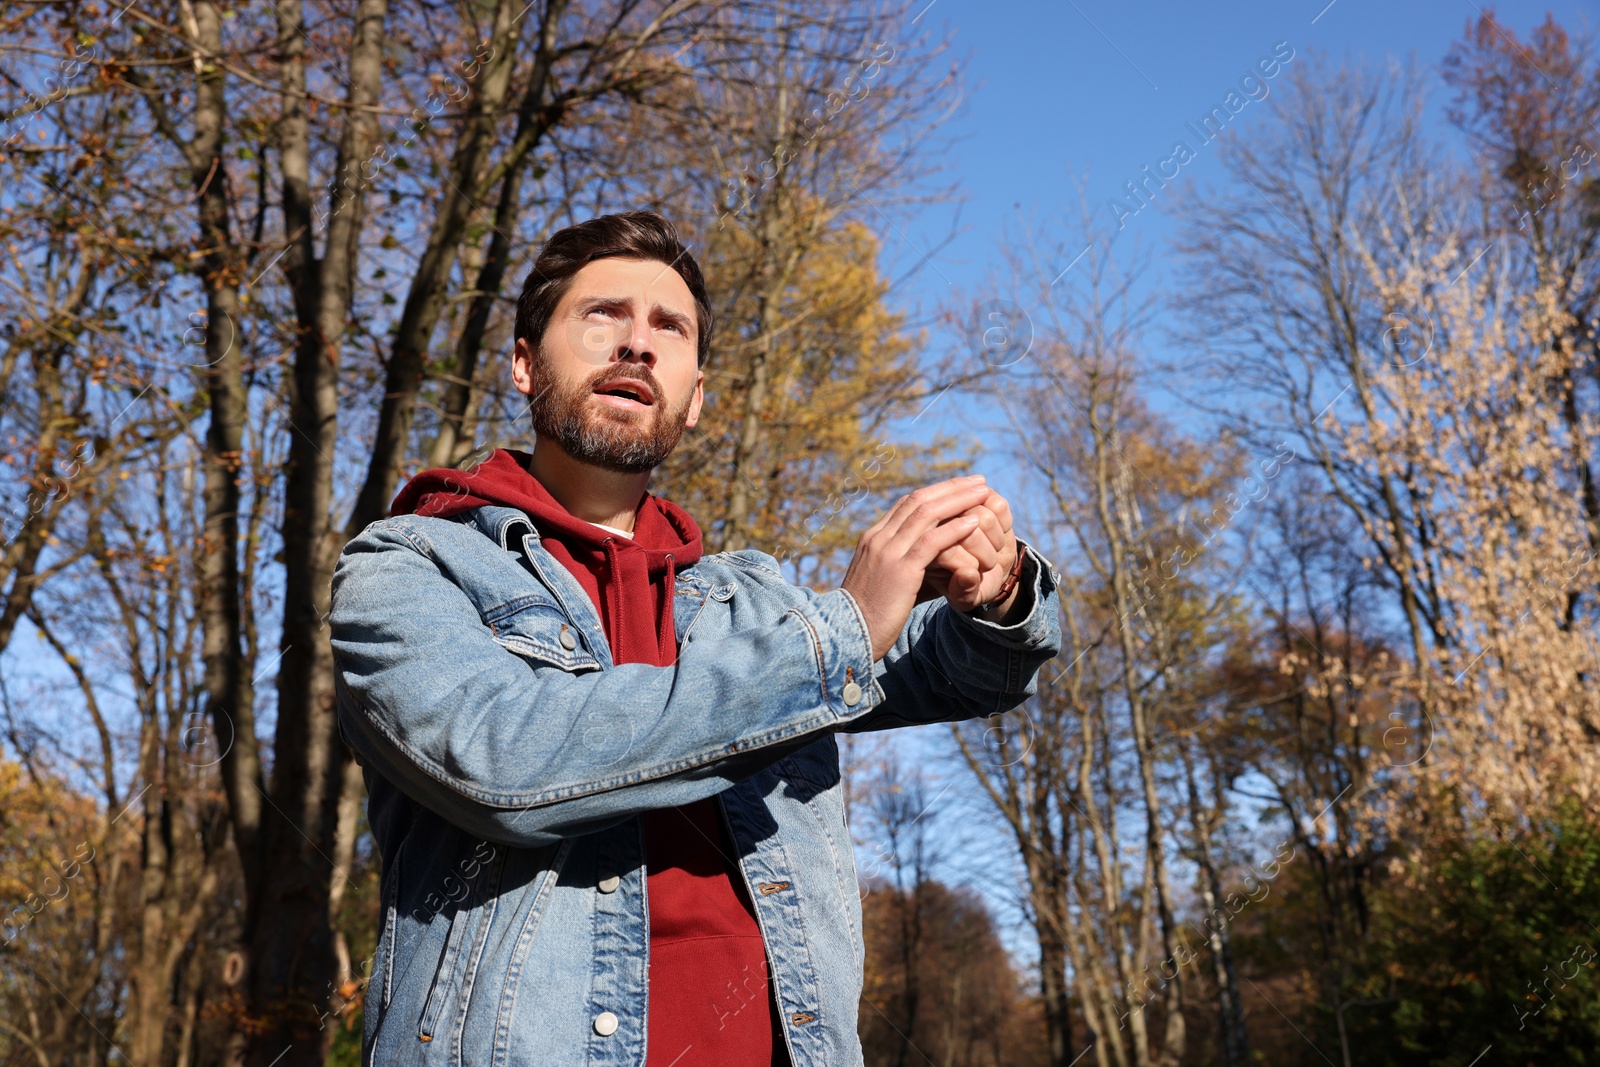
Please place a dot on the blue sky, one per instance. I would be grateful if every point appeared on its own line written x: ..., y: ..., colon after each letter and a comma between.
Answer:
x: 1099, y: 89
x: 1104, y: 88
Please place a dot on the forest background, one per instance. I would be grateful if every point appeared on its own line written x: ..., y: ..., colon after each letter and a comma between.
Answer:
x: 1302, y: 402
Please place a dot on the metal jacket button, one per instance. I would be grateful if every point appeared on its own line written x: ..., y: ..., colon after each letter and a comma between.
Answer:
x: 852, y: 694
x: 568, y: 642
x: 605, y: 1024
x: 609, y: 885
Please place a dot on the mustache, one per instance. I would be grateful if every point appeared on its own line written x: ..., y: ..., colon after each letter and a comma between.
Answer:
x: 626, y: 370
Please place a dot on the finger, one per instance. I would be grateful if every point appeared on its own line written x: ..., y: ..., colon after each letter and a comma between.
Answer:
x: 1001, y: 508
x: 992, y: 567
x: 966, y: 577
x: 965, y: 583
x: 926, y: 509
x: 978, y: 545
x: 969, y: 486
x: 969, y: 563
x: 992, y: 525
x: 954, y: 560
x: 1002, y: 570
x: 966, y: 487
x: 964, y: 589
x: 973, y: 484
x: 989, y: 532
x: 986, y: 544
x: 935, y: 539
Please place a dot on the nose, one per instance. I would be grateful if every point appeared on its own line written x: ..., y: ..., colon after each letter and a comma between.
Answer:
x: 639, y: 342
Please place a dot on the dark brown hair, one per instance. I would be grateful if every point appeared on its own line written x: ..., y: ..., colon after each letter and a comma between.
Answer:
x: 628, y: 235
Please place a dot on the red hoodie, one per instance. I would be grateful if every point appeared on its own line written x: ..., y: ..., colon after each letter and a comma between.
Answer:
x: 706, y: 952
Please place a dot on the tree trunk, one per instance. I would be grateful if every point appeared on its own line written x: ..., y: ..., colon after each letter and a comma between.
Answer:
x: 425, y: 298
x: 47, y: 493
x: 291, y: 947
x: 230, y: 692
x: 352, y: 792
x: 1056, y: 994
x: 455, y: 422
x: 1230, y: 1010
x: 1109, y: 477
x: 741, y: 503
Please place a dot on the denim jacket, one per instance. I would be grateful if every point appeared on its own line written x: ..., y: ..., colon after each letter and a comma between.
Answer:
x: 507, y: 760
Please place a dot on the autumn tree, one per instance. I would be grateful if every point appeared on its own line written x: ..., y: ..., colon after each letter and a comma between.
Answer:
x: 1530, y: 109
x: 1314, y: 733
x: 975, y: 1010
x: 1082, y: 780
x: 1421, y: 346
x: 937, y: 984
x: 1423, y: 375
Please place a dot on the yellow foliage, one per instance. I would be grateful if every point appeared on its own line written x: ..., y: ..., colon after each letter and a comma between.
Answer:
x: 838, y: 364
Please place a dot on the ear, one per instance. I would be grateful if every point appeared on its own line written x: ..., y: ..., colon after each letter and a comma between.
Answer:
x: 696, y: 400
x: 522, y: 366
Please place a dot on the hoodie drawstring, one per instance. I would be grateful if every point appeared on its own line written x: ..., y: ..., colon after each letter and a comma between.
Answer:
x: 667, y: 636
x: 613, y: 592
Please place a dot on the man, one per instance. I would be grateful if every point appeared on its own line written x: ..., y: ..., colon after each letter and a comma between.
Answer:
x: 602, y: 768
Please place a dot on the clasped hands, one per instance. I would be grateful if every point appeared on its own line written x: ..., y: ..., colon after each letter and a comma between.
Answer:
x: 951, y: 539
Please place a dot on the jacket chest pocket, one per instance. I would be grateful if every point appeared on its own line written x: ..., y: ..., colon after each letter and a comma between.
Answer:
x: 468, y: 897
x: 692, y: 601
x: 538, y: 630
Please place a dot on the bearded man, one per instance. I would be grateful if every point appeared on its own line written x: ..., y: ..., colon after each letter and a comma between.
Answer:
x: 602, y: 764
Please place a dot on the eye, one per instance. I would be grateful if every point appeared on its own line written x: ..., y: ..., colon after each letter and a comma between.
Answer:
x: 674, y: 326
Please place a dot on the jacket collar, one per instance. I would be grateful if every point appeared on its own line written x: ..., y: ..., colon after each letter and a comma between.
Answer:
x: 514, y: 532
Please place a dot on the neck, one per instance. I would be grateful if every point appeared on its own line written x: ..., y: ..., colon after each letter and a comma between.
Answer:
x: 590, y: 493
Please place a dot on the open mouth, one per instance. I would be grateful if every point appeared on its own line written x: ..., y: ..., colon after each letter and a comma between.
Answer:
x: 626, y: 393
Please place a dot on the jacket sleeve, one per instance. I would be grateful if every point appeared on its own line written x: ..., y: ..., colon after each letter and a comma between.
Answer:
x: 525, y: 753
x: 947, y: 665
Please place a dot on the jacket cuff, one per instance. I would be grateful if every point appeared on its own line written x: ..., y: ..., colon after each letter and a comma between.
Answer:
x: 1035, y: 596
x: 844, y: 649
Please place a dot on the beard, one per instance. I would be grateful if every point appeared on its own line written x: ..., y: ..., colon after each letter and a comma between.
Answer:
x: 592, y: 432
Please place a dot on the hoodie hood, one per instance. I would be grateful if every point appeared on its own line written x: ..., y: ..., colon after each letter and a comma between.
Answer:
x: 630, y: 580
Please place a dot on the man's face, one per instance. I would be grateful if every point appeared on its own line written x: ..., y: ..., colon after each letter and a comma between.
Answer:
x: 616, y: 379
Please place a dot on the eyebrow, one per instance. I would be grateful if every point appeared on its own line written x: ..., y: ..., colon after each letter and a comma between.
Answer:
x: 659, y: 310
x: 675, y: 316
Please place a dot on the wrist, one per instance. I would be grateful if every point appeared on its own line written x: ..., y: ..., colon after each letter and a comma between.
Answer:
x: 1000, y: 608
x: 1008, y: 588
x: 996, y: 612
